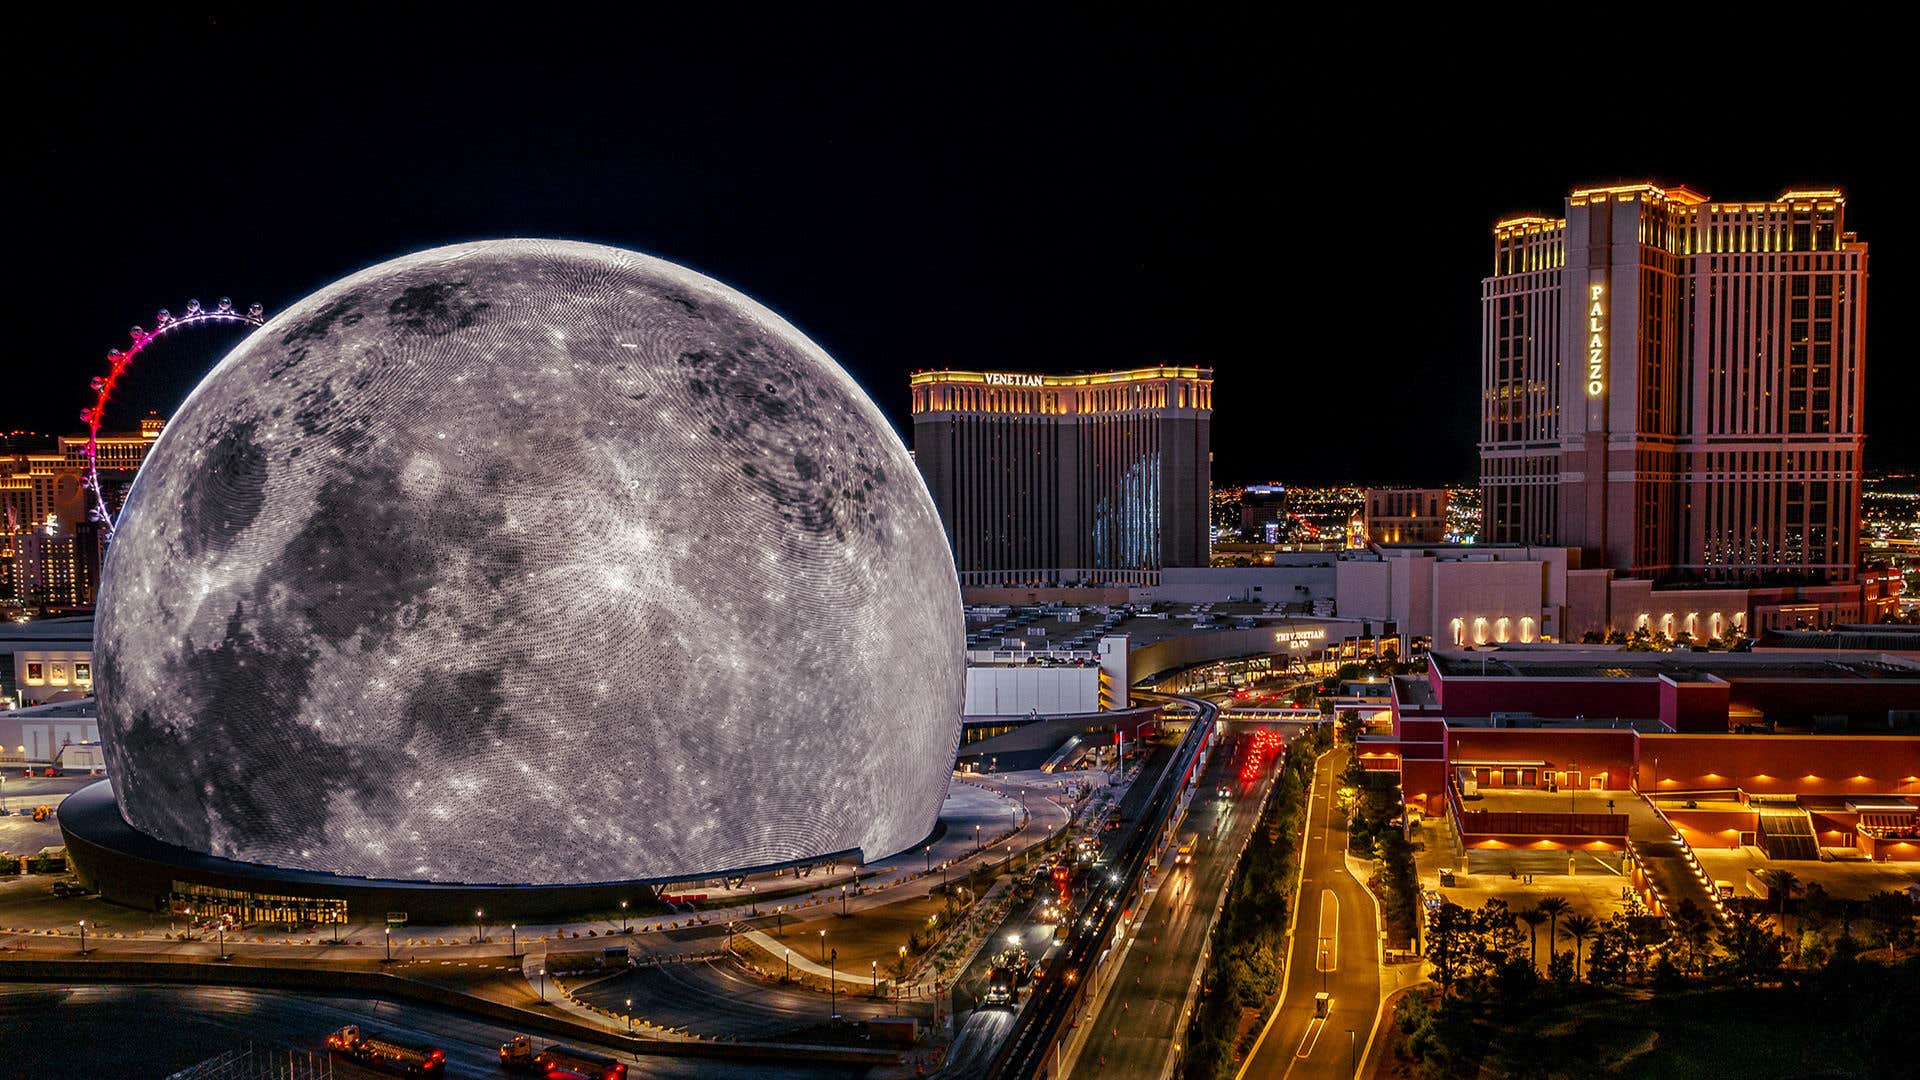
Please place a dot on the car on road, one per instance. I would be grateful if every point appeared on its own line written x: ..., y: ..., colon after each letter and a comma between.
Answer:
x: 65, y: 889
x: 1322, y: 1004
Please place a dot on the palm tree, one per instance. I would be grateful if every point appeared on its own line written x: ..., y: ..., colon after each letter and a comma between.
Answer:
x: 1578, y: 927
x: 1695, y: 928
x: 1554, y: 906
x: 1782, y: 882
x: 1533, y: 917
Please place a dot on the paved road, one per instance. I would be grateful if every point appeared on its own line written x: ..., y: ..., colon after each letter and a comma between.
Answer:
x: 1133, y: 1033
x: 719, y: 997
x: 1335, y: 948
x: 1037, y: 1033
x: 157, y: 1030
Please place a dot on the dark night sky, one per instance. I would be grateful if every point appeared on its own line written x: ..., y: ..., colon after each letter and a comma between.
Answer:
x: 1304, y: 207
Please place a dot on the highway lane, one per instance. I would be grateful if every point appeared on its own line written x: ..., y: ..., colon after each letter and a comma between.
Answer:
x: 157, y: 1030
x: 718, y: 997
x: 1132, y: 1035
x: 1335, y: 949
x: 974, y: 1044
x: 1046, y: 1016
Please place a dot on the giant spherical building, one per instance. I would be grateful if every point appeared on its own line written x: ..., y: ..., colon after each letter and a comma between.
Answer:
x: 529, y: 562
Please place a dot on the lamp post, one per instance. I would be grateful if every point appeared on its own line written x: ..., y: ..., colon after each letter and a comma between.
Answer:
x: 629, y: 1016
x: 823, y: 945
x: 480, y: 918
x: 83, y: 937
x: 788, y: 977
x: 876, y: 977
x: 223, y: 941
x: 389, y: 938
x: 976, y: 838
x: 780, y: 920
x: 843, y: 901
x: 929, y: 854
x: 833, y: 983
x: 729, y: 935
x: 897, y: 988
x: 543, y: 984
x: 1353, y: 1053
x: 753, y: 899
x: 623, y: 918
x: 513, y: 941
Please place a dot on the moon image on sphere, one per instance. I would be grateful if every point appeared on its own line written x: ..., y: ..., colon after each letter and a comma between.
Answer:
x: 536, y: 562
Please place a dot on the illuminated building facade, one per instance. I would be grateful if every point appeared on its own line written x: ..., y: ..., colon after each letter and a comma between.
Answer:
x: 1406, y: 515
x: 49, y: 547
x: 1674, y: 385
x: 1263, y: 513
x: 1047, y: 479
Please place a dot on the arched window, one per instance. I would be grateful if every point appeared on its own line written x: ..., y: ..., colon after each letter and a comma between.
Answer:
x: 1526, y: 628
x: 1500, y: 627
x: 1480, y: 630
x: 1459, y: 632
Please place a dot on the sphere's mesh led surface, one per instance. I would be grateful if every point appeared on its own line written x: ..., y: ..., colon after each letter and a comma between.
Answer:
x: 529, y: 561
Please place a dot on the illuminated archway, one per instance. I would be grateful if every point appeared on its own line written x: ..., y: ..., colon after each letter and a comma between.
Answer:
x: 1480, y: 630
x: 1459, y: 631
x: 1500, y: 628
x: 1526, y: 628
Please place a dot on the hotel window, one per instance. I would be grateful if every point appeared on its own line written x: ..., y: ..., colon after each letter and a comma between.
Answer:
x: 36, y: 673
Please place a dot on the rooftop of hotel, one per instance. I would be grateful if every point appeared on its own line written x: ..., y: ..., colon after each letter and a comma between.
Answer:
x: 76, y: 628
x: 1617, y: 662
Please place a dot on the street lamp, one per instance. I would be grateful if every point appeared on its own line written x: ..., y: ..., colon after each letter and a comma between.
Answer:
x: 898, y: 989
x: 780, y: 920
x: 1353, y: 1053
x: 789, y: 975
x: 976, y: 838
x: 389, y: 937
x: 823, y: 945
x: 623, y: 918
x: 543, y: 985
x: 629, y: 1016
x: 843, y: 901
x: 833, y: 983
x: 729, y: 935
x: 83, y: 937
x: 223, y: 941
x: 753, y: 899
x: 514, y: 939
x: 480, y: 917
x: 876, y: 976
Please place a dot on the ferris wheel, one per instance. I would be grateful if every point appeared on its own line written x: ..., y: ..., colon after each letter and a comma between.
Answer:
x: 119, y: 360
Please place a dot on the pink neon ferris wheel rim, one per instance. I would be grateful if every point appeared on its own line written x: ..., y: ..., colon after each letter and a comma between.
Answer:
x: 118, y: 360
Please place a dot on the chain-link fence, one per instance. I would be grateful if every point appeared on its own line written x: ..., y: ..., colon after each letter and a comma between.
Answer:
x: 254, y: 1062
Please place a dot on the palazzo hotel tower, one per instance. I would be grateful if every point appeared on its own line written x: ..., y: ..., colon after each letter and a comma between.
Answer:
x: 1068, y: 479
x: 1674, y: 385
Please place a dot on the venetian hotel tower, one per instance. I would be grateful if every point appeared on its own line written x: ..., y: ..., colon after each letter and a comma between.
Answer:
x: 1674, y: 385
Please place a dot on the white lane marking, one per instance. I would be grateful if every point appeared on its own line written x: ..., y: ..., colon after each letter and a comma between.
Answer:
x: 1329, y: 930
x: 1312, y: 1038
